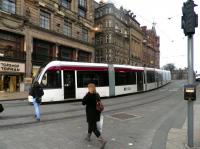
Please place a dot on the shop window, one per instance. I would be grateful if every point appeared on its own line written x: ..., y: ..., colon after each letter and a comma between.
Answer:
x: 83, y: 56
x: 66, y: 53
x: 50, y: 75
x: 42, y: 50
x: 44, y: 19
x: 8, y: 6
x: 99, y: 78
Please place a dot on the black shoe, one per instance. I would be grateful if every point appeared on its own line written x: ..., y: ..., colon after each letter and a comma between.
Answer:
x: 38, y: 119
x: 102, y: 141
x: 103, y: 144
x: 87, y: 138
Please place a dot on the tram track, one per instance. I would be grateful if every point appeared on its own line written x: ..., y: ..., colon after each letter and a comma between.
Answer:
x: 111, y: 103
x: 109, y: 109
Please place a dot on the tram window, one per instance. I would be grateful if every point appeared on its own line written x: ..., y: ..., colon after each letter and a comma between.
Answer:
x: 100, y: 78
x: 150, y: 76
x: 52, y: 79
x: 125, y: 78
x: 160, y: 77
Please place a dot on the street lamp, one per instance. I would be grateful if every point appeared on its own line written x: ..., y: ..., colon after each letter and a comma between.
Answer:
x: 96, y: 29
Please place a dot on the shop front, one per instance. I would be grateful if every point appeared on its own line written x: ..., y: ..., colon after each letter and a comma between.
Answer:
x: 11, y: 76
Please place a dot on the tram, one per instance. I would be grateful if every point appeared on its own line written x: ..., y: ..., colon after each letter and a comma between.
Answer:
x: 68, y: 80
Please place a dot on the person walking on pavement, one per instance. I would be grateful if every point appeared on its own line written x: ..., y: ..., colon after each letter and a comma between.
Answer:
x: 37, y: 93
x: 92, y: 114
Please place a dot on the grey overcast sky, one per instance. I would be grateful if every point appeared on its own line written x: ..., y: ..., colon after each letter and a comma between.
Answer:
x: 167, y: 16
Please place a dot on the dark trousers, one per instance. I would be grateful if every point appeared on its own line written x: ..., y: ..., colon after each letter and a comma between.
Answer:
x: 92, y: 127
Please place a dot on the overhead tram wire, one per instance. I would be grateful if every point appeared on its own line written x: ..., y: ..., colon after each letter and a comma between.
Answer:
x: 168, y: 37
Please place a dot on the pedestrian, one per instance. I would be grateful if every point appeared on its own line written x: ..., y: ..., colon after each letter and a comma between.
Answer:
x: 36, y: 92
x: 92, y: 114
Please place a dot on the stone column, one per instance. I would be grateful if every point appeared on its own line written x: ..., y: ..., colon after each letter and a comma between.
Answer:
x: 22, y: 7
x: 57, y: 51
x: 28, y: 45
x: 92, y: 57
x: 76, y: 54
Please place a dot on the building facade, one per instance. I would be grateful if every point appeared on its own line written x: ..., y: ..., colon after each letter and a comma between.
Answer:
x: 121, y: 40
x: 34, y: 32
x: 151, y: 48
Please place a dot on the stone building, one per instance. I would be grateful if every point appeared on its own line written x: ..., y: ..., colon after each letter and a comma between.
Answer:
x: 151, y: 48
x: 121, y: 40
x: 33, y: 32
x: 119, y: 36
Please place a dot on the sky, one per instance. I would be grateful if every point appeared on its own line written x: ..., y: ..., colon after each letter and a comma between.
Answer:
x: 167, y: 16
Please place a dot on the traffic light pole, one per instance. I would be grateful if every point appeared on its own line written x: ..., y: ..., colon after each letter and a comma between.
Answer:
x: 190, y: 81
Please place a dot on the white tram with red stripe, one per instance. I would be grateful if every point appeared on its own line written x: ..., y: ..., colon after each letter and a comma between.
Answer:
x: 68, y: 80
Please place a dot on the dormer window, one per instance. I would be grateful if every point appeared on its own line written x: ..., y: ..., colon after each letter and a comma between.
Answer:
x: 82, y: 8
x: 66, y: 4
x: 82, y: 3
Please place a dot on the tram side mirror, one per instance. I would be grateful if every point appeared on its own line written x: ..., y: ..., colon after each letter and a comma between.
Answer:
x: 190, y: 92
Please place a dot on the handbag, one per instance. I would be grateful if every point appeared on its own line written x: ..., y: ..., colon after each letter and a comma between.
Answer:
x: 99, y: 106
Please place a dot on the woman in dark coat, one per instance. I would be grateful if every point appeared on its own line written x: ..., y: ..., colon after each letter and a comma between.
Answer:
x: 92, y: 115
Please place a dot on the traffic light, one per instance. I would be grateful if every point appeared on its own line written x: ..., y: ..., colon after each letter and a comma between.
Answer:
x: 189, y: 19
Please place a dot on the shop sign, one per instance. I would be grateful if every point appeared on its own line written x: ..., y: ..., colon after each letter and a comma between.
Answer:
x: 12, y: 67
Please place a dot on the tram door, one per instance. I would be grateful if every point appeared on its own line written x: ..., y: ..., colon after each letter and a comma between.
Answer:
x: 140, y: 86
x: 69, y: 84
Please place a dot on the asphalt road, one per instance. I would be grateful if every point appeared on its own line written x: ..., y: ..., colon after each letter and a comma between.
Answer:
x: 139, y: 121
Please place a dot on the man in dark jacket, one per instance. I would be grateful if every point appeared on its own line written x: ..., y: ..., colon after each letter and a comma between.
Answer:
x: 92, y: 114
x: 37, y: 93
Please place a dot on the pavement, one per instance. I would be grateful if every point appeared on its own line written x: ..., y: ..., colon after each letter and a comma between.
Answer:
x: 177, y: 138
x: 4, y: 96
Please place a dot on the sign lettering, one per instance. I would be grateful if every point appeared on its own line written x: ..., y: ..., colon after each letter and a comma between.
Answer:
x: 12, y: 67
